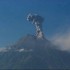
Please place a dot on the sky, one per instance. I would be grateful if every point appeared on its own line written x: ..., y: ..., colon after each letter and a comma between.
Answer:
x: 13, y: 14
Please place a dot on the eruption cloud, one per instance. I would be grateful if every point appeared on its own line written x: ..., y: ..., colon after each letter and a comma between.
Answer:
x: 37, y: 21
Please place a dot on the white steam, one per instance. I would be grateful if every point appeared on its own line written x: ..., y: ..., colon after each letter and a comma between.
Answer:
x: 62, y: 41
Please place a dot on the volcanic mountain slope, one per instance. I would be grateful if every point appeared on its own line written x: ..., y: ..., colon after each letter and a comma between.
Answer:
x: 32, y: 53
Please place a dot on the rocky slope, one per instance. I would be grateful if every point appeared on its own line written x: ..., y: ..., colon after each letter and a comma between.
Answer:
x: 32, y: 53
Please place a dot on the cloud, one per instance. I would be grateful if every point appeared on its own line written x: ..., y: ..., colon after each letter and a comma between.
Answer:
x: 3, y: 49
x: 23, y: 50
x: 62, y: 40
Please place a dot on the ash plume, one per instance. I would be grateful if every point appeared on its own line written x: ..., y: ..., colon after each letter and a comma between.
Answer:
x: 37, y: 21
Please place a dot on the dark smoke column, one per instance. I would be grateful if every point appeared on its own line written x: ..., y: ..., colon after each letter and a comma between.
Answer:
x: 37, y: 21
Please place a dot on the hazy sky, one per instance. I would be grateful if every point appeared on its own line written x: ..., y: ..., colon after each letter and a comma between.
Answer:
x: 13, y: 13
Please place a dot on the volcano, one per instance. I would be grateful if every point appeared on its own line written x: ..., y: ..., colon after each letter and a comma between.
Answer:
x: 32, y: 53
